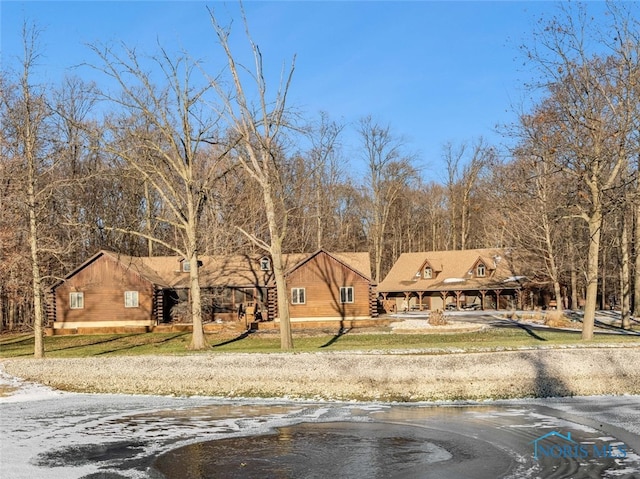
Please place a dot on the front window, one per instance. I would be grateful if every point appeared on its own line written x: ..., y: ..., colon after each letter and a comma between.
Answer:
x: 428, y: 273
x: 481, y: 270
x: 265, y: 264
x: 76, y: 300
x: 130, y: 299
x: 346, y: 294
x: 297, y: 296
x: 186, y: 266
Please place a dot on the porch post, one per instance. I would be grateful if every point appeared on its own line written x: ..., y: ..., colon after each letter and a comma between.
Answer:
x: 497, y: 292
x: 458, y: 293
x: 483, y: 293
x: 407, y: 296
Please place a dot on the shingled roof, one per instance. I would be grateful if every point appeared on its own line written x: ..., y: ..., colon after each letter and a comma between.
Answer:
x: 216, y: 271
x: 357, y: 261
x: 453, y: 270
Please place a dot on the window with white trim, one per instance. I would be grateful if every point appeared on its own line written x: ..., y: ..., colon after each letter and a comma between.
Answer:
x: 76, y: 300
x: 265, y: 264
x: 186, y: 266
x: 297, y: 296
x: 481, y: 270
x: 428, y: 272
x: 130, y: 299
x: 346, y: 294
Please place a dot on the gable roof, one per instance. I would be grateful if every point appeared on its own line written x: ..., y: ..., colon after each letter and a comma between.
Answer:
x: 359, y: 262
x: 453, y: 268
x: 215, y: 271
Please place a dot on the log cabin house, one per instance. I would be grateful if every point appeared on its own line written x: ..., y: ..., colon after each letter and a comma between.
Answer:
x: 463, y: 279
x: 110, y: 291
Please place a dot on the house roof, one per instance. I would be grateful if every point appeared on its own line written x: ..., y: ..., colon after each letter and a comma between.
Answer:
x: 215, y: 271
x: 359, y: 262
x: 451, y: 271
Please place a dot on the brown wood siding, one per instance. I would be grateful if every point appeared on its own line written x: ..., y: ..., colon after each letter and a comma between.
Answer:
x: 322, y: 277
x: 51, y: 307
x: 104, y: 283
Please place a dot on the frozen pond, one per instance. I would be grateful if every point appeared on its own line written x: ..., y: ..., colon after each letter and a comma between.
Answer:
x: 50, y: 434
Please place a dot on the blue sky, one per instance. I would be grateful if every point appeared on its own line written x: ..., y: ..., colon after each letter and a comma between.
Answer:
x: 433, y: 71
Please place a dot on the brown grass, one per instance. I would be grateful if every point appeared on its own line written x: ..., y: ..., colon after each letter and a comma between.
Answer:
x: 436, y: 318
x: 556, y: 319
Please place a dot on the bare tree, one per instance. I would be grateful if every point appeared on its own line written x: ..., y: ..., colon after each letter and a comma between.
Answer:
x: 435, y: 219
x: 166, y: 137
x: 389, y: 172
x: 635, y: 205
x: 453, y: 157
x: 325, y: 172
x: 538, y: 196
x: 258, y: 131
x: 463, y: 173
x: 26, y: 114
x: 594, y: 108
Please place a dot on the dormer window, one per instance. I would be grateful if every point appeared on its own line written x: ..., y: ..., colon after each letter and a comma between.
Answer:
x: 265, y: 264
x: 428, y: 272
x: 186, y: 266
x: 481, y: 270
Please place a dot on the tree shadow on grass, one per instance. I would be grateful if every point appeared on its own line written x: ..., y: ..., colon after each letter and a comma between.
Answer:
x: 17, y: 341
x: 92, y: 344
x: 618, y: 329
x: 509, y: 323
x: 341, y: 332
x: 240, y: 337
x: 138, y: 345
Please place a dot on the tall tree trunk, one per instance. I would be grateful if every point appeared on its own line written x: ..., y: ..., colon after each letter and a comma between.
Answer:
x: 197, y: 337
x: 377, y: 254
x: 595, y: 226
x: 636, y: 273
x: 38, y: 320
x: 1, y: 309
x: 275, y: 246
x: 286, y: 337
x: 603, y: 281
x: 463, y: 223
x: 30, y: 142
x: 148, y: 218
x: 574, y: 286
x: 625, y: 286
x: 319, y: 222
x: 551, y: 260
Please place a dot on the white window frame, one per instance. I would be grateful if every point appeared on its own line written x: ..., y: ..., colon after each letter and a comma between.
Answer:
x: 265, y: 264
x: 131, y: 299
x: 186, y: 266
x: 347, y: 294
x: 298, y: 296
x: 481, y: 270
x: 428, y: 275
x: 76, y: 300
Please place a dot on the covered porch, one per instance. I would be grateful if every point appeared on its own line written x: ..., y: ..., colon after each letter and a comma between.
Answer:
x: 457, y: 299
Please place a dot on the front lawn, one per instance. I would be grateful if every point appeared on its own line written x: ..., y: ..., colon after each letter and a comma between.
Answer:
x: 21, y: 345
